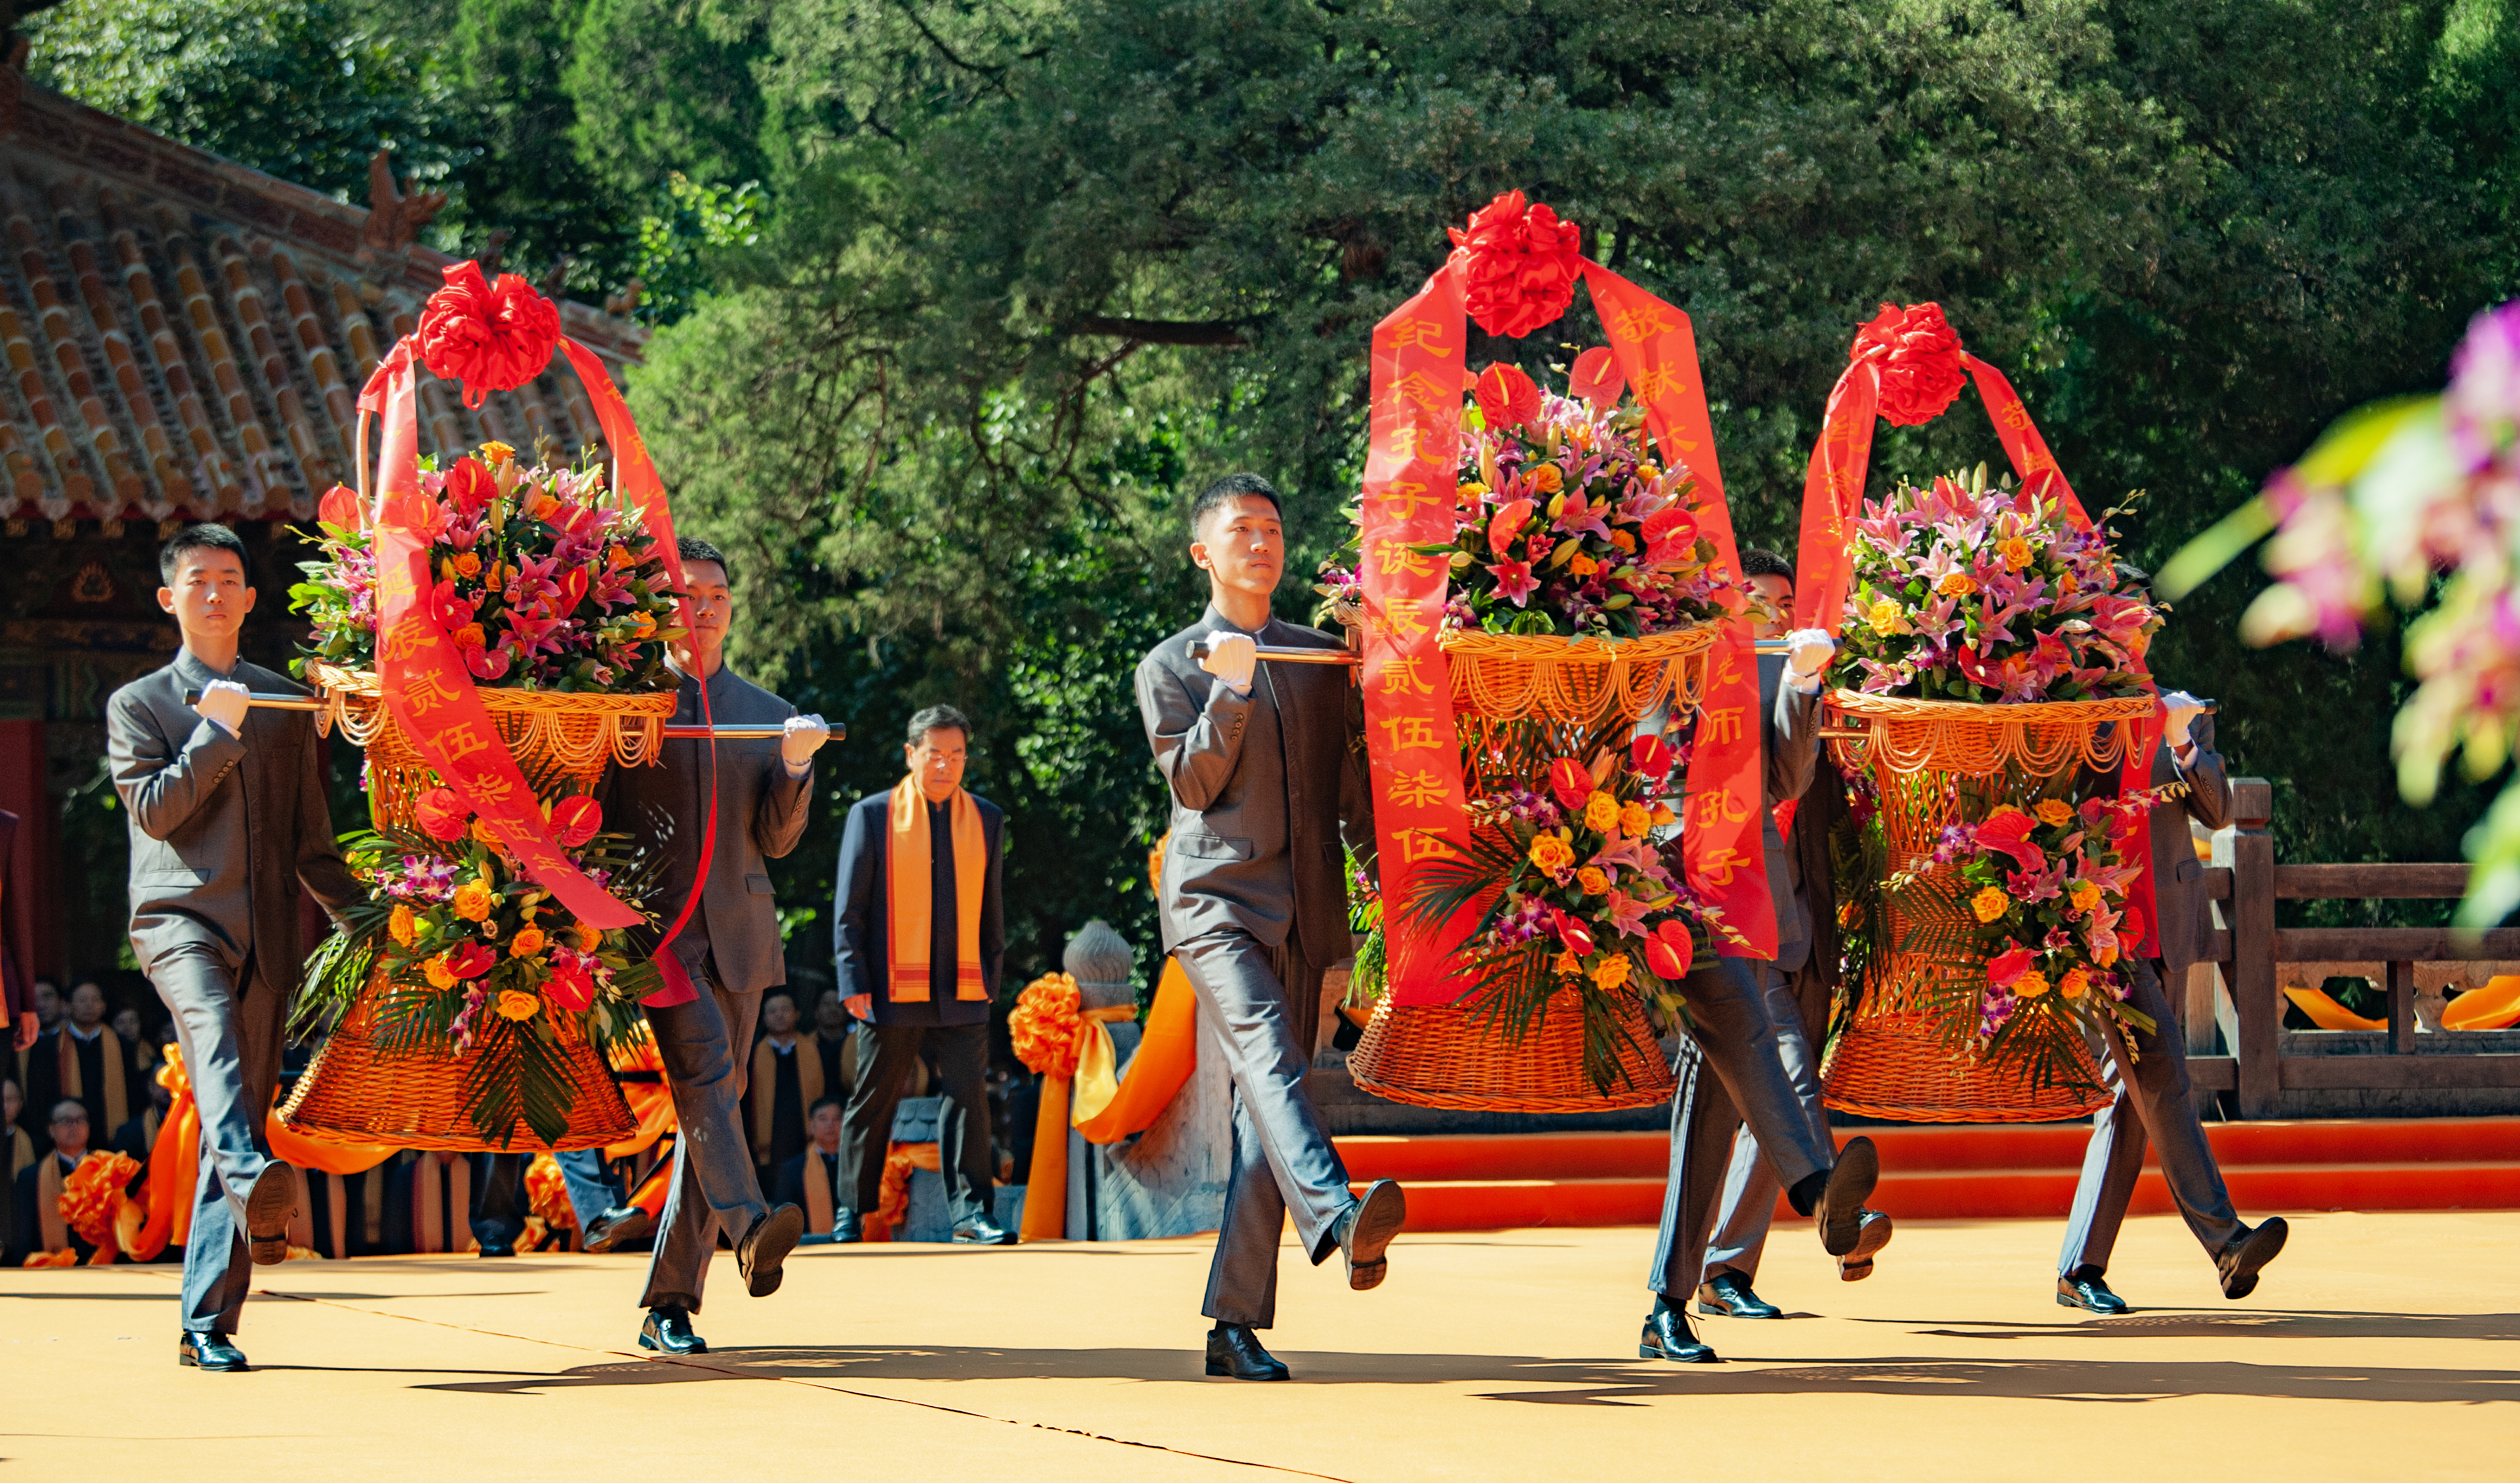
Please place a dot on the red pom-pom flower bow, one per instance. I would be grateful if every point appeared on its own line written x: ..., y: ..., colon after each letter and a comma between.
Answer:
x: 491, y: 337
x: 1520, y: 263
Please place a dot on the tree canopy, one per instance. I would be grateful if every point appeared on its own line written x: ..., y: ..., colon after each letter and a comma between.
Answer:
x: 966, y: 297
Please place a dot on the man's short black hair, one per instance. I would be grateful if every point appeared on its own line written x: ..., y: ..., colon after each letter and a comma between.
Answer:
x: 1759, y: 562
x: 938, y: 718
x: 1213, y: 497
x: 820, y: 1103
x: 209, y: 535
x: 694, y: 549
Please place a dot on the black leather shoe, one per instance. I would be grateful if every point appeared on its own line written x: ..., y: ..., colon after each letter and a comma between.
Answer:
x: 1841, y: 1204
x: 1232, y: 1349
x: 977, y: 1231
x: 1728, y: 1294
x: 1367, y: 1228
x: 619, y: 1226
x: 2238, y: 1262
x: 269, y: 1206
x: 668, y: 1330
x: 498, y: 1248
x: 2090, y: 1295
x: 845, y: 1229
x: 1872, y: 1232
x: 765, y: 1247
x: 203, y: 1349
x: 1667, y: 1338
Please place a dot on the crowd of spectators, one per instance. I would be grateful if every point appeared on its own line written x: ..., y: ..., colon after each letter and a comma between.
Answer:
x: 90, y: 1083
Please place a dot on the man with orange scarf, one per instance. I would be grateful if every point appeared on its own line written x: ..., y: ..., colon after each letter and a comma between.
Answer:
x: 746, y: 812
x: 228, y: 826
x: 919, y: 930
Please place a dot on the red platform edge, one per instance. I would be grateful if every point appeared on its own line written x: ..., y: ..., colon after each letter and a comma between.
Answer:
x: 1485, y: 1181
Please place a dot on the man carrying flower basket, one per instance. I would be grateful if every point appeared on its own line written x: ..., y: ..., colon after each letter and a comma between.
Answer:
x: 730, y: 949
x: 228, y: 825
x: 1265, y: 770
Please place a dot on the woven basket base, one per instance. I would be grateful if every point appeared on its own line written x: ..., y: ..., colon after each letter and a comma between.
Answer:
x: 1433, y: 1055
x: 1894, y: 1067
x: 355, y: 1091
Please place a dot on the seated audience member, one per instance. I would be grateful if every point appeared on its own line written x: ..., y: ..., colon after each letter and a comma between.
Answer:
x: 140, y: 1134
x: 812, y: 1179
x: 46, y: 998
x: 18, y: 1151
x: 40, y: 1225
x: 833, y: 1028
x: 138, y: 1045
x: 787, y: 1078
x: 83, y: 1061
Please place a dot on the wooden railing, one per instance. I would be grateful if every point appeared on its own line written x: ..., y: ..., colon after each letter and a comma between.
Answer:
x: 2250, y: 950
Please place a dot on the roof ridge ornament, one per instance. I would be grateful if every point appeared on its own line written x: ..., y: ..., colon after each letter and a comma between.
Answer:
x: 394, y: 218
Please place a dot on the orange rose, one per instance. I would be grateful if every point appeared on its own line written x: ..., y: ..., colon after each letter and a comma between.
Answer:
x: 643, y: 626
x: 470, y: 636
x: 528, y: 943
x: 466, y: 564
x: 1612, y: 971
x: 496, y: 453
x: 441, y: 977
x: 1566, y: 964
x: 1548, y: 479
x: 472, y: 900
x: 1594, y: 884
x: 404, y: 927
x: 589, y: 938
x: 1552, y: 854
x: 1958, y: 584
x: 2016, y: 552
x: 516, y: 1004
x: 618, y: 556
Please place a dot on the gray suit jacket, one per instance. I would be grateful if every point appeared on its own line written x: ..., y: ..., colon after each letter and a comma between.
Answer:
x: 1789, y: 756
x: 2186, y: 917
x: 224, y: 832
x: 760, y: 817
x: 1255, y: 837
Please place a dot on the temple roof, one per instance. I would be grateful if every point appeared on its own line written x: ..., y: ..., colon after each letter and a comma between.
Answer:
x: 185, y: 339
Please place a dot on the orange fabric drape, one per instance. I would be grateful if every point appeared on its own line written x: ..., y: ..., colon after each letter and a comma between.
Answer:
x: 894, y: 1203
x: 1105, y: 1109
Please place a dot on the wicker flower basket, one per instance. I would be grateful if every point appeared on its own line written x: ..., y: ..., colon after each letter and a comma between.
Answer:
x: 1433, y: 1055
x: 1530, y: 696
x: 416, y: 1098
x: 1893, y: 1060
x: 562, y: 742
x: 364, y: 1092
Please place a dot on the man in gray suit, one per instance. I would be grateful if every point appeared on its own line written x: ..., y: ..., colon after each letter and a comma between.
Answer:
x: 1733, y: 1067
x: 2157, y: 1101
x: 1805, y: 801
x: 1265, y: 767
x: 228, y: 821
x: 730, y: 948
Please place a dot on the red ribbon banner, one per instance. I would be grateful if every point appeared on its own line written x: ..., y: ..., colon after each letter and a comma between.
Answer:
x: 1833, y: 495
x: 1411, y: 485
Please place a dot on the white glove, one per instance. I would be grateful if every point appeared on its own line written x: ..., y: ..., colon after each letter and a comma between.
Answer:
x: 225, y: 701
x: 2185, y: 708
x: 1808, y: 650
x: 1230, y: 658
x: 798, y: 740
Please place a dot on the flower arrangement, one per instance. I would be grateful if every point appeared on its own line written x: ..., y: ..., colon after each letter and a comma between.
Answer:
x: 2414, y: 503
x: 543, y: 582
x: 1574, y: 891
x: 1562, y: 525
x: 1047, y: 1026
x: 1963, y: 593
x: 473, y: 955
x: 93, y: 1198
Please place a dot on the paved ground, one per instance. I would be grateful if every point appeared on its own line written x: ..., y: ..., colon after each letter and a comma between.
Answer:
x: 2373, y: 1349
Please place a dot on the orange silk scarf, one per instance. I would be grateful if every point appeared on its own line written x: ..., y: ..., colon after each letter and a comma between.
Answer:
x: 908, y: 865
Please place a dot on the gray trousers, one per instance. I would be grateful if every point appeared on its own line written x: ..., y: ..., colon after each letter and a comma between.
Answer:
x: 1731, y: 1072
x: 589, y: 1184
x: 201, y: 992
x: 1263, y: 1007
x: 1797, y: 1006
x: 713, y: 1187
x: 2156, y: 1105
x: 887, y: 1059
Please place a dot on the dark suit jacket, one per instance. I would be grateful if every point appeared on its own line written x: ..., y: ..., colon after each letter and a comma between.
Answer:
x: 861, y: 917
x: 1789, y: 754
x: 1229, y: 803
x: 760, y: 817
x: 224, y: 832
x: 26, y: 1237
x: 2185, y: 912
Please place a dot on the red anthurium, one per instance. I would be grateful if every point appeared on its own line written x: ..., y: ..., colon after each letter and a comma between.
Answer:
x: 569, y: 987
x: 1571, y: 781
x: 2007, y: 829
x: 471, y: 961
x: 469, y: 484
x: 339, y: 508
x: 574, y: 821
x: 1597, y: 376
x: 572, y: 587
x: 441, y: 814
x: 2005, y: 968
x: 1577, y: 937
x: 1652, y: 756
x: 1668, y: 963
x: 1507, y: 396
x: 1506, y: 525
x: 416, y: 511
